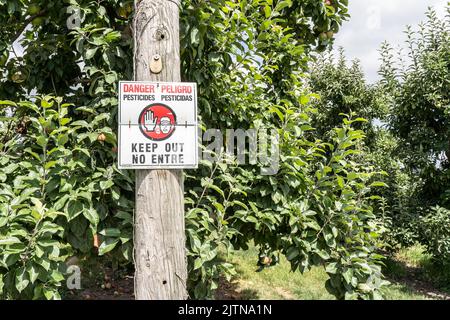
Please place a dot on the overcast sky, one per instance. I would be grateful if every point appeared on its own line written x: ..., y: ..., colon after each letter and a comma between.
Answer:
x: 374, y: 21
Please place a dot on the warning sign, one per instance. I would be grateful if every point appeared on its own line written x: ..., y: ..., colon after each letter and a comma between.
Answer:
x: 157, y: 122
x: 157, y: 125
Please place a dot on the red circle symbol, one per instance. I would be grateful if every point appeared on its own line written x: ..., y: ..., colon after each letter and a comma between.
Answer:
x: 157, y: 122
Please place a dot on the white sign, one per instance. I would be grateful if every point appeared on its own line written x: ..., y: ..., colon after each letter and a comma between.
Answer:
x: 157, y: 125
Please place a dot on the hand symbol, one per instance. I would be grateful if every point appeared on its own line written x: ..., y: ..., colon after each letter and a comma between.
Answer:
x: 150, y: 121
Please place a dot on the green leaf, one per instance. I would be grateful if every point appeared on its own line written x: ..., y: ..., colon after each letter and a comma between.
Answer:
x: 104, y: 185
x: 21, y: 279
x: 81, y: 123
x: 267, y: 11
x: 313, y: 225
x: 348, y: 274
x: 198, y: 263
x: 111, y: 232
x: 44, y: 263
x: 86, y: 195
x: 8, y: 103
x: 41, y: 141
x: 92, y: 215
x: 51, y: 294
x: 340, y: 181
x: 50, y: 164
x: 331, y: 268
x: 90, y: 53
x: 62, y: 139
x: 107, y: 245
x: 379, y: 184
x: 3, y: 222
x: 74, y: 209
x: 195, y: 37
x: 9, y: 241
x: 2, y: 284
x: 217, y: 189
x: 283, y: 4
x: 33, y: 273
x: 56, y: 276
x: 292, y: 253
x: 61, y: 202
x: 323, y: 254
x: 111, y: 78
x: 34, y: 154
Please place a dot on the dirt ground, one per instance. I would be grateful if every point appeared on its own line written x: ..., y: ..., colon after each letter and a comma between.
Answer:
x: 105, y: 284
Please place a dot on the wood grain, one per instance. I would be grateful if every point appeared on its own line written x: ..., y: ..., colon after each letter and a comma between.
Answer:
x: 160, y: 257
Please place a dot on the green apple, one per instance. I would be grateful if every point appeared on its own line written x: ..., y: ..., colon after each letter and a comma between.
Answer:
x: 19, y: 77
x: 33, y: 9
x: 37, y: 21
x: 122, y: 12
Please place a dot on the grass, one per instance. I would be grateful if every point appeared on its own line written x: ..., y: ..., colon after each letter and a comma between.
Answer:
x: 276, y: 282
x: 279, y: 283
x: 415, y: 264
x: 414, y: 256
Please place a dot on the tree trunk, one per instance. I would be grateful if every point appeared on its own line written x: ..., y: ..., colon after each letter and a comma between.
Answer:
x: 160, y: 257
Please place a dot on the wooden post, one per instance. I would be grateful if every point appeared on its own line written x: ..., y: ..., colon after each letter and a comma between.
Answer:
x: 160, y: 257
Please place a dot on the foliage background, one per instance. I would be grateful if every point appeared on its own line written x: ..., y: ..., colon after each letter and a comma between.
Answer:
x: 250, y: 58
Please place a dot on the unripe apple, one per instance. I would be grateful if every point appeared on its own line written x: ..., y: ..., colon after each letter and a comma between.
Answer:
x: 330, y: 34
x: 122, y: 12
x: 101, y: 137
x: 33, y: 9
x: 19, y: 77
x: 265, y: 260
x: 37, y: 21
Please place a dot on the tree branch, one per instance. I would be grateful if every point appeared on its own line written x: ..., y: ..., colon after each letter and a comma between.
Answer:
x: 26, y: 23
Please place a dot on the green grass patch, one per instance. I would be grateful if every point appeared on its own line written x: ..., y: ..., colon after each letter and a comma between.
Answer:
x: 414, y: 256
x: 280, y: 283
x: 415, y: 263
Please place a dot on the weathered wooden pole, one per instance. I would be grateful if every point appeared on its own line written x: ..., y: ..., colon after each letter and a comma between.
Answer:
x: 160, y: 257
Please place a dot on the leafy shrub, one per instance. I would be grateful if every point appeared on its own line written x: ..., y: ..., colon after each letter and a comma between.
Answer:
x: 46, y: 211
x: 434, y: 230
x: 419, y: 113
x: 418, y: 160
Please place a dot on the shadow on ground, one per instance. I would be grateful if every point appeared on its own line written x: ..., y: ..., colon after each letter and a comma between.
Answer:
x: 231, y: 291
x: 424, y: 279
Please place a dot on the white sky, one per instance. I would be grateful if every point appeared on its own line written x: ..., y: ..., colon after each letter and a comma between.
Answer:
x: 374, y: 21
